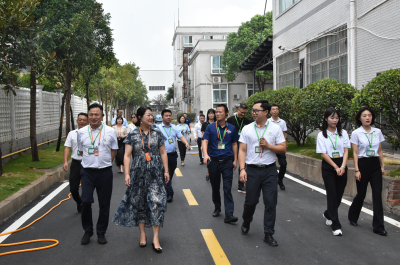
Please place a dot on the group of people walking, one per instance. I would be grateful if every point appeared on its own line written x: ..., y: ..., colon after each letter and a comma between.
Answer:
x: 149, y: 159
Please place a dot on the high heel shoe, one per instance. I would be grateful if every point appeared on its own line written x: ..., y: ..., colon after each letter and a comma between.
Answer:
x: 157, y: 250
x: 142, y: 245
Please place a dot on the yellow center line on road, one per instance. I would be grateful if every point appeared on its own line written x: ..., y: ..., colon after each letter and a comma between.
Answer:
x: 214, y: 247
x: 189, y: 196
x: 178, y: 172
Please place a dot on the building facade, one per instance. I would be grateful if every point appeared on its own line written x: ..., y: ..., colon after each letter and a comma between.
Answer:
x: 199, y: 79
x: 348, y: 40
x: 157, y: 83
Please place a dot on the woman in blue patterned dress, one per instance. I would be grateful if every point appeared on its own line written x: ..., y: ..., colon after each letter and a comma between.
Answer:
x: 145, y: 200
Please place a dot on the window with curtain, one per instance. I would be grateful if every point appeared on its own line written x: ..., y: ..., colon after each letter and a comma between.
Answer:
x: 220, y: 94
x: 216, y: 65
x: 250, y: 89
x: 187, y: 41
x: 285, y: 4
x: 288, y: 69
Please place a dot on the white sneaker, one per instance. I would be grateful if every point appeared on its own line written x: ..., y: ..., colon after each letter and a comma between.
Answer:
x: 328, y: 222
x: 337, y: 232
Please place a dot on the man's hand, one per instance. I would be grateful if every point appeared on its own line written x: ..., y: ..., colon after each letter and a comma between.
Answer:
x: 264, y: 142
x: 243, y: 176
x: 195, y: 139
x: 166, y: 176
x: 65, y: 166
x: 206, y: 158
x: 188, y: 146
x: 234, y: 165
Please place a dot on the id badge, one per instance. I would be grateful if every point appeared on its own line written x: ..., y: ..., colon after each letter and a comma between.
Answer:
x: 183, y: 133
x: 147, y: 155
x: 370, y: 152
x: 170, y: 140
x: 257, y: 149
x: 96, y: 151
x: 77, y: 152
x: 221, y: 145
x: 239, y: 132
x: 335, y: 155
x: 90, y: 151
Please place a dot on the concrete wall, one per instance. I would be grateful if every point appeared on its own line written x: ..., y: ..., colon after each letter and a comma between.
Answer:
x: 156, y: 78
x: 310, y: 168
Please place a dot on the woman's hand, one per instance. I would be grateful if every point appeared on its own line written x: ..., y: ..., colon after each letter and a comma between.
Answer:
x: 338, y: 171
x: 127, y: 180
x: 383, y: 171
x: 342, y: 171
x: 358, y: 175
x: 166, y: 176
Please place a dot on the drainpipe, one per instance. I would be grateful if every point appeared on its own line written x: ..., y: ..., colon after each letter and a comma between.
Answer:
x: 353, y: 42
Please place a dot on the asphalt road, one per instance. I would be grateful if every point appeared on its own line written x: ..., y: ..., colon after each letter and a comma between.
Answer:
x: 301, y: 232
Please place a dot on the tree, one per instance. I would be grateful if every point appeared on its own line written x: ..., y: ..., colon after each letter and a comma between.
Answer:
x: 170, y: 93
x: 159, y: 102
x: 242, y: 43
x: 382, y: 94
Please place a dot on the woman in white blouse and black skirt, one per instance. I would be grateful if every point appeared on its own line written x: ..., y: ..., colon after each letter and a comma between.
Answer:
x: 333, y: 144
x: 369, y: 168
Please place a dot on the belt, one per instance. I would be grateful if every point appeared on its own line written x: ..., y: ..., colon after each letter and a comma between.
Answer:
x: 222, y: 160
x: 76, y: 160
x: 172, y: 154
x: 98, y: 169
x: 261, y: 166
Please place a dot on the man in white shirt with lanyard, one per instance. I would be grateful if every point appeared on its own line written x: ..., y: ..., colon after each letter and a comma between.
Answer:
x: 198, y: 135
x: 281, y: 157
x: 98, y: 146
x: 75, y: 175
x: 259, y: 142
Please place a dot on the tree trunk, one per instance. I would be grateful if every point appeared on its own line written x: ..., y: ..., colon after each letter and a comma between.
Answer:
x: 87, y: 94
x: 72, y: 119
x: 111, y: 105
x: 68, y: 79
x: 32, y: 119
x: 106, y: 110
x: 61, y: 123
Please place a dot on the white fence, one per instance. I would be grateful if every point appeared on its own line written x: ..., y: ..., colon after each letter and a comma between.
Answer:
x: 14, y: 112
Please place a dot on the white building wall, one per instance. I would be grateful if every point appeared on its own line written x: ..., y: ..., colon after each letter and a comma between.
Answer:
x: 156, y: 78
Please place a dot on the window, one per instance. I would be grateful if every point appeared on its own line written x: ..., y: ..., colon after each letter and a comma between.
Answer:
x: 156, y: 87
x: 288, y: 70
x: 327, y: 57
x: 208, y: 37
x: 225, y: 37
x: 216, y: 65
x: 220, y: 94
x: 250, y: 89
x: 187, y: 41
x: 285, y: 4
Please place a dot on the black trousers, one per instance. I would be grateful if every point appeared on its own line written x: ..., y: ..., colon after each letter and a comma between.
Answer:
x: 75, y: 180
x: 199, y: 147
x: 371, y: 172
x: 216, y: 170
x: 182, y: 150
x: 282, y: 163
x: 334, y: 186
x: 102, y: 181
x: 172, y: 157
x: 240, y: 184
x: 265, y: 180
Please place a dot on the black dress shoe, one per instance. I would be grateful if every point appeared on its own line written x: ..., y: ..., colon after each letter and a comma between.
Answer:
x: 280, y: 183
x: 353, y: 223
x: 157, y: 250
x: 230, y: 219
x: 269, y: 239
x: 86, y: 238
x: 142, y: 245
x: 245, y: 228
x: 381, y: 233
x: 79, y: 207
x: 101, y: 239
x: 169, y: 199
x: 216, y: 212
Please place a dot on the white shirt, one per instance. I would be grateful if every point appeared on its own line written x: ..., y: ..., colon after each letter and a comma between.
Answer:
x: 280, y: 122
x: 108, y: 142
x: 121, y: 131
x: 325, y: 146
x: 359, y: 138
x: 273, y: 135
x: 73, y: 143
x: 197, y: 131
x: 131, y: 127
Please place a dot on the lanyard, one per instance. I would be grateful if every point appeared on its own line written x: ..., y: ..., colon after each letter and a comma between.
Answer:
x: 240, y: 127
x: 142, y: 137
x: 372, y: 137
x: 91, y: 135
x: 219, y: 132
x: 334, y: 145
x: 255, y: 128
x: 168, y: 134
x: 182, y: 127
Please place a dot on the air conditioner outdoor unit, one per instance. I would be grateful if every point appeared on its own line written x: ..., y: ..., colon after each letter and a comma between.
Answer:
x: 216, y: 79
x: 236, y: 96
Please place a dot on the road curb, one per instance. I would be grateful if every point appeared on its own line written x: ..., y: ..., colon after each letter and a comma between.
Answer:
x: 14, y: 203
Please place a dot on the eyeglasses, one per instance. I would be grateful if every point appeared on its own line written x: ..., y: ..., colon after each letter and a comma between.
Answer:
x: 256, y: 111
